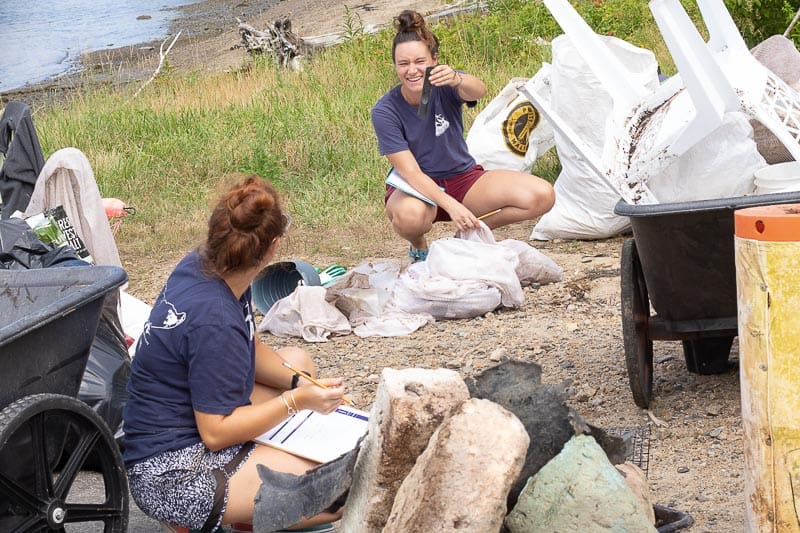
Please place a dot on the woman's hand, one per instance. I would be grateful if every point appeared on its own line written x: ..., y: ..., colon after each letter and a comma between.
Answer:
x: 445, y: 75
x: 462, y: 217
x: 310, y: 396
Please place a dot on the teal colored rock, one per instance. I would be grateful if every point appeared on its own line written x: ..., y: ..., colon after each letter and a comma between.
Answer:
x: 578, y: 490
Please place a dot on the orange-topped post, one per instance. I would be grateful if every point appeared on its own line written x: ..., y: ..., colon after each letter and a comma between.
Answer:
x: 767, y: 251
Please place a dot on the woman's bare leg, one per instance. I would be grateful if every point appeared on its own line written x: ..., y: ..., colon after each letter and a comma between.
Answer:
x: 519, y: 195
x: 410, y: 217
x: 244, y: 485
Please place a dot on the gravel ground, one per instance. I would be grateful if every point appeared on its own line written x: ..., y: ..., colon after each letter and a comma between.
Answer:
x: 573, y: 330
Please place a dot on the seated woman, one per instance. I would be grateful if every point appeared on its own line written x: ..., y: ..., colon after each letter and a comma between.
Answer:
x: 203, y: 385
x: 429, y: 152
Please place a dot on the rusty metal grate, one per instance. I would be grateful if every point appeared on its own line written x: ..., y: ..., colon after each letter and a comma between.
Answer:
x: 638, y: 438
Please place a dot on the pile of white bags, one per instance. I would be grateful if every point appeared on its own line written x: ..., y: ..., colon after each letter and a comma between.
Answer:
x: 464, y: 276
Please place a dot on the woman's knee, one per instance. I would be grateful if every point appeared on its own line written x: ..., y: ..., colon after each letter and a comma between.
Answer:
x: 298, y: 358
x: 538, y: 198
x: 406, y: 221
x: 546, y: 197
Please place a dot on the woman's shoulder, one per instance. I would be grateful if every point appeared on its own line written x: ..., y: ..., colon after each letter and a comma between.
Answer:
x: 193, y: 288
x: 390, y: 99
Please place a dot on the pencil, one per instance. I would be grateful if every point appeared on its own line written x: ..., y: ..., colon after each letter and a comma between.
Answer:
x: 490, y: 213
x: 345, y: 400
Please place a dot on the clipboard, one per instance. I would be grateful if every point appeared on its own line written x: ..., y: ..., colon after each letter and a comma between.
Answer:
x: 317, y: 437
x: 396, y: 180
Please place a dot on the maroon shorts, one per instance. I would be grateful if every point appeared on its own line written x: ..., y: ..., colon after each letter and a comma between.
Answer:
x: 456, y: 186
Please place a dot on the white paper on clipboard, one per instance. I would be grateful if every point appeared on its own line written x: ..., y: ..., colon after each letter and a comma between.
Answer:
x: 320, y: 438
x: 396, y: 180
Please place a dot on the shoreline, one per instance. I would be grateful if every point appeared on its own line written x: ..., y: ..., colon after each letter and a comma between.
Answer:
x: 198, y: 23
x: 209, y: 40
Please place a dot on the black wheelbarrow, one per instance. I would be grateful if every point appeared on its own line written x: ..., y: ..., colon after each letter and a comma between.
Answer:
x: 681, y: 262
x: 48, y: 319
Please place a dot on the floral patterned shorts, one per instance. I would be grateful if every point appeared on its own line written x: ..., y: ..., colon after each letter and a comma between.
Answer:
x: 179, y: 487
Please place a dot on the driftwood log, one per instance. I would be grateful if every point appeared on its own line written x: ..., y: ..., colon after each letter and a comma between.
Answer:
x: 286, y: 48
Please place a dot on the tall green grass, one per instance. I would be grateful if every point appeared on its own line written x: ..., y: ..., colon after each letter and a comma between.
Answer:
x: 165, y: 149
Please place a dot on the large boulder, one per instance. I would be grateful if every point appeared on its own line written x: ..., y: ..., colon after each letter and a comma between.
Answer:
x: 461, y: 481
x: 409, y: 406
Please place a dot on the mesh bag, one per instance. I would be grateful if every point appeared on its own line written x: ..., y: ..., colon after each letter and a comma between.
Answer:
x: 779, y: 55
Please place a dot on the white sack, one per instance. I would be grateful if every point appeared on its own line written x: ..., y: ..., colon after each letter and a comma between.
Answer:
x: 419, y: 292
x: 584, y: 206
x: 305, y: 313
x: 720, y: 166
x: 509, y: 133
x: 474, y: 255
x: 534, y: 266
x: 362, y: 293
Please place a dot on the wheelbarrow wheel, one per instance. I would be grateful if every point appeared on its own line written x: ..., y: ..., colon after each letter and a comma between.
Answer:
x: 40, y: 489
x: 635, y: 316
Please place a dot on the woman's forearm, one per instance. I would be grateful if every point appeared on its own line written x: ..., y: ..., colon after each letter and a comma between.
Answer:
x: 469, y: 87
x: 244, y: 423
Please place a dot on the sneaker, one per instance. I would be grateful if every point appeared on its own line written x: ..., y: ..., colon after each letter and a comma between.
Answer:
x: 417, y: 255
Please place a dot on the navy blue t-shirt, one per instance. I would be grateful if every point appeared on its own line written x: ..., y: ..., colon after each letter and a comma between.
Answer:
x: 197, y: 352
x: 436, y: 140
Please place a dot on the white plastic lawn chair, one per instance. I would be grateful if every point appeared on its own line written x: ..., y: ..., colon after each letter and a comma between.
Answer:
x: 625, y: 91
x: 722, y: 73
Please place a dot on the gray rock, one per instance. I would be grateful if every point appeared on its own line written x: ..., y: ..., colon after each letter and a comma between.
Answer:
x: 542, y: 409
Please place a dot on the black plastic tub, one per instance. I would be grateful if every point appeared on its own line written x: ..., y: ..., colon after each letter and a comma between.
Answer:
x: 681, y: 261
x: 48, y: 319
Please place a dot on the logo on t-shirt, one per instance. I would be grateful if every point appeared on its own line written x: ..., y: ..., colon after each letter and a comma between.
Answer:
x: 169, y: 317
x: 249, y: 319
x: 441, y: 124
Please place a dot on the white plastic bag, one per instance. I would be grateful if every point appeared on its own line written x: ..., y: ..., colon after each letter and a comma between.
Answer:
x: 584, y: 207
x: 477, y: 258
x: 362, y: 293
x: 534, y: 266
x: 418, y: 292
x: 509, y: 133
x: 721, y: 166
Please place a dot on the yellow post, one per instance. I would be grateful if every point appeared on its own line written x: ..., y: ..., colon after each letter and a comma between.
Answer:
x: 767, y: 247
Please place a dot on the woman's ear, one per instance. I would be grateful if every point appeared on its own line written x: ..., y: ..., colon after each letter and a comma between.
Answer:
x: 435, y: 59
x: 271, y: 251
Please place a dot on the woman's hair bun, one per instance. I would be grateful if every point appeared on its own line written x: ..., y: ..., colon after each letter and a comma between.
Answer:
x: 243, y: 226
x: 409, y: 21
x: 248, y: 207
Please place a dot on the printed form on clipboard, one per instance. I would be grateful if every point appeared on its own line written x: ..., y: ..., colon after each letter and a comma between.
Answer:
x: 396, y: 180
x: 318, y: 437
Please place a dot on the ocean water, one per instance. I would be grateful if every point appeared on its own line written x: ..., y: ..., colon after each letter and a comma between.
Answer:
x: 42, y: 39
